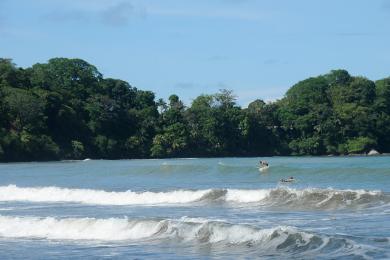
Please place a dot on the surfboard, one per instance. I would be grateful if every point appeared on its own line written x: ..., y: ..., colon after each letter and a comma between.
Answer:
x: 287, y: 180
x: 263, y: 168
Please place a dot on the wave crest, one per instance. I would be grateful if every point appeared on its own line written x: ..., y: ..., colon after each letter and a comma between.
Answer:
x: 185, y: 229
x: 99, y: 197
x: 309, y: 198
x: 189, y: 231
x: 315, y: 198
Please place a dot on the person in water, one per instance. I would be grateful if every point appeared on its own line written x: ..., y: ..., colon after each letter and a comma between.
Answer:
x: 264, y: 164
x: 290, y: 179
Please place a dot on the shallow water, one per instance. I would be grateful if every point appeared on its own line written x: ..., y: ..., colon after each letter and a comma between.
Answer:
x: 338, y: 207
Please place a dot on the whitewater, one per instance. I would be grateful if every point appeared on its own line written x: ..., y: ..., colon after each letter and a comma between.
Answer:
x: 339, y: 207
x: 310, y: 197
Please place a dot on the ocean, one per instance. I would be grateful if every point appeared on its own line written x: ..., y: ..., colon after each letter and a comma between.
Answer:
x: 215, y: 208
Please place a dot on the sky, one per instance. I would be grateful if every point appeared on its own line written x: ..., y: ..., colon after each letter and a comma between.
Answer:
x: 256, y: 48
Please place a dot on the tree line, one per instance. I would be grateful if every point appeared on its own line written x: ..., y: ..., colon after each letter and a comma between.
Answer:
x: 66, y: 109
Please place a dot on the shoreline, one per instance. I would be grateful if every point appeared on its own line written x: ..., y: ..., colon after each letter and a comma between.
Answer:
x: 194, y: 158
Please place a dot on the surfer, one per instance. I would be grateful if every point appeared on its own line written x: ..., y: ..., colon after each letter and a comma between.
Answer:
x: 290, y: 179
x: 264, y: 164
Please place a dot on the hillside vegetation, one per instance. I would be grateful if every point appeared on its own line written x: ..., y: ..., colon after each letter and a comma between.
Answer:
x: 66, y: 109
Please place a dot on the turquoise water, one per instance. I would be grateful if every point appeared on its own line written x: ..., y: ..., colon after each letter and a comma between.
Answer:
x: 338, y: 207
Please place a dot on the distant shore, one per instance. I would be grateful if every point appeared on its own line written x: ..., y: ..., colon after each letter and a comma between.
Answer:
x: 194, y: 158
x: 66, y: 109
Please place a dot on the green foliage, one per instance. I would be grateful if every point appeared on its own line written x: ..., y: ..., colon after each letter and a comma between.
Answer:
x: 107, y: 148
x: 216, y: 125
x: 1, y: 152
x: 172, y: 138
x: 305, y: 107
x: 360, y: 144
x: 310, y: 145
x: 260, y: 129
x: 26, y: 109
x: 66, y: 109
x: 77, y: 149
x: 338, y: 77
x: 172, y: 143
x: 320, y: 114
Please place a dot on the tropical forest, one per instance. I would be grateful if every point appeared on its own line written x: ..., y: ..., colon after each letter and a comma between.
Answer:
x: 66, y: 109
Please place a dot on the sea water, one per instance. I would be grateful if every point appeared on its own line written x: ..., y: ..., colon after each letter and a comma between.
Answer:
x: 338, y: 207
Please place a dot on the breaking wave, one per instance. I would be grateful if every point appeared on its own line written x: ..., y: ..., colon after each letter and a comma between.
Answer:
x: 98, y: 197
x: 185, y: 230
x: 309, y: 198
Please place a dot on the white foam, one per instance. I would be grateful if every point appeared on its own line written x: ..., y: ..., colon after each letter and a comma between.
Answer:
x: 114, y: 229
x: 309, y: 197
x: 76, y: 228
x: 99, y: 197
x: 269, y: 240
x: 247, y: 196
x: 332, y: 191
x: 200, y: 220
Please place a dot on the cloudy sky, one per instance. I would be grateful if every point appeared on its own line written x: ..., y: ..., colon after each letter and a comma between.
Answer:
x: 188, y: 47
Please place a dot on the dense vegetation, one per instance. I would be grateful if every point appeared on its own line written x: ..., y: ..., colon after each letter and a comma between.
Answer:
x: 65, y: 109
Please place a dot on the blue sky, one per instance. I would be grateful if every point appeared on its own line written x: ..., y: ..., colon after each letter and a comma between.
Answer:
x: 258, y: 49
